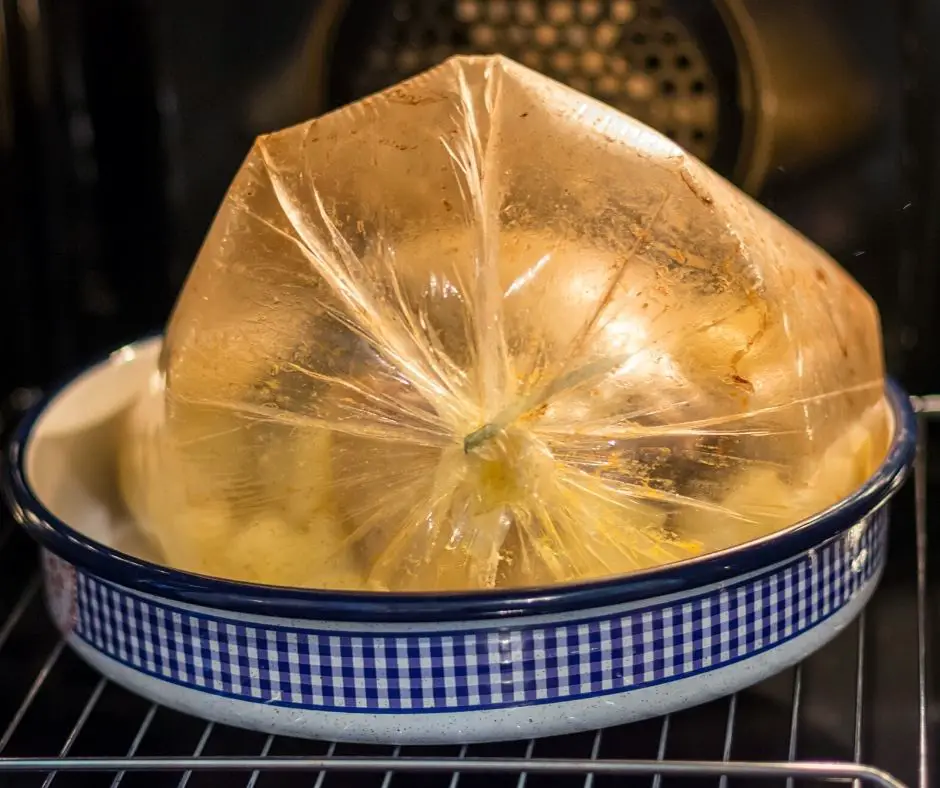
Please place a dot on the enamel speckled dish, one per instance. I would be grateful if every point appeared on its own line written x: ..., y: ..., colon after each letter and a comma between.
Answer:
x: 442, y: 668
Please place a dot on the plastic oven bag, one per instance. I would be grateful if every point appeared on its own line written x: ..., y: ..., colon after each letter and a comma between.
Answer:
x: 480, y: 331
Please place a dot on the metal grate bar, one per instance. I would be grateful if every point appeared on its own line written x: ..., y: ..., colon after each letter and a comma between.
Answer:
x: 795, y: 717
x: 729, y: 737
x: 138, y: 738
x: 859, y: 691
x: 79, y: 725
x: 920, y: 527
x: 387, y: 780
x: 264, y: 754
x: 455, y: 778
x: 595, y: 754
x: 529, y: 750
x: 203, y: 740
x: 19, y: 608
x: 40, y: 679
x: 819, y: 770
x: 321, y: 777
x: 661, y: 749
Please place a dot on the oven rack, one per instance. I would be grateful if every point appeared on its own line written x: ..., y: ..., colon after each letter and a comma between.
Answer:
x: 861, y: 710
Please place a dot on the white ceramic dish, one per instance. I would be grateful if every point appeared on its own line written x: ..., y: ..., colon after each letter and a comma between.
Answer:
x: 409, y: 669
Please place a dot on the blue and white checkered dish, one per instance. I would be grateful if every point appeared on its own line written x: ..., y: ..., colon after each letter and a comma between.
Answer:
x: 452, y: 668
x: 480, y: 668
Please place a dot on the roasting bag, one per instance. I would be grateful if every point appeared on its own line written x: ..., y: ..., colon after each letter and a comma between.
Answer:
x: 480, y: 330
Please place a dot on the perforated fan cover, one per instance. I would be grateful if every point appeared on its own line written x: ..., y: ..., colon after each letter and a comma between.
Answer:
x: 635, y: 55
x: 482, y: 331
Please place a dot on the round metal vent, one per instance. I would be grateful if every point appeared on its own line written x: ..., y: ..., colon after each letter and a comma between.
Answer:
x: 631, y: 54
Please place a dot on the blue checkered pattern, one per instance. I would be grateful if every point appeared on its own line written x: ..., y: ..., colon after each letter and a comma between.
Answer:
x: 411, y: 672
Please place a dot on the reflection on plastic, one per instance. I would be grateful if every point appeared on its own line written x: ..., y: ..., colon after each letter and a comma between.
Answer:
x: 482, y: 331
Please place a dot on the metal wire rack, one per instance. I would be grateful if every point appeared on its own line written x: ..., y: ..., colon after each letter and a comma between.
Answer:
x: 861, y: 710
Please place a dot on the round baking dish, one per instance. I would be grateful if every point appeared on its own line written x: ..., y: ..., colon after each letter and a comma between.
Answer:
x: 424, y: 668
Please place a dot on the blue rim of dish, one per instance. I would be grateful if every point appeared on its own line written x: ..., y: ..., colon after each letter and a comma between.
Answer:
x: 379, y: 607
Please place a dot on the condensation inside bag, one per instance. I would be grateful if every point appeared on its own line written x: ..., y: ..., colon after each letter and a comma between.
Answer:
x: 482, y: 331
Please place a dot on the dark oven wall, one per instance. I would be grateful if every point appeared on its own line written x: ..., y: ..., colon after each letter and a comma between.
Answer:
x: 125, y: 120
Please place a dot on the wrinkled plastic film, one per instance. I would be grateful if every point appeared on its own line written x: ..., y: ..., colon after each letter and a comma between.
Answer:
x: 481, y: 331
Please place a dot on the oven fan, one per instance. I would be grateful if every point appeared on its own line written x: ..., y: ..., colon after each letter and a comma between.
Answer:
x: 750, y: 86
x: 629, y: 54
